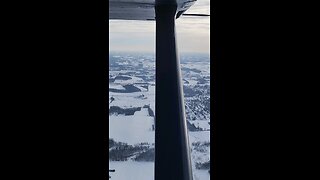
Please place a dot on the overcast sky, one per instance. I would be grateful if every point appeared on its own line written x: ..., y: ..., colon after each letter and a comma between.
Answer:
x: 193, y: 33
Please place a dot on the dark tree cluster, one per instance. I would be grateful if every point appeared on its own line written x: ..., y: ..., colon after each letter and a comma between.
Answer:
x: 205, y: 165
x: 119, y: 151
x: 146, y: 156
x: 201, y: 147
x: 150, y: 111
x: 127, y: 112
x: 192, y: 127
x: 129, y: 88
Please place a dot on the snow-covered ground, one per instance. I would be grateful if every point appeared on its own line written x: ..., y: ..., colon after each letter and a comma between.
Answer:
x: 132, y: 80
x: 133, y: 170
x: 132, y: 129
x: 134, y: 99
x: 138, y: 128
x: 199, y: 153
x: 199, y: 136
x: 202, y: 124
x: 116, y: 86
x: 201, y: 174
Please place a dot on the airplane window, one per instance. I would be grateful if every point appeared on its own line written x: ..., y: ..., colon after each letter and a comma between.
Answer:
x: 132, y: 89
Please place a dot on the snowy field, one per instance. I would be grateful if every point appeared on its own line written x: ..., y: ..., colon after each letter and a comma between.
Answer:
x: 202, y: 136
x: 132, y: 170
x: 201, y: 175
x: 202, y: 124
x: 134, y: 99
x: 132, y: 129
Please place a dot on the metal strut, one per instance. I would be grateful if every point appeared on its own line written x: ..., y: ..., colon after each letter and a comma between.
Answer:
x: 172, y: 154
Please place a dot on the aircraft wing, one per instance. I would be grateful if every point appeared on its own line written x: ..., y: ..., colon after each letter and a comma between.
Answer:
x: 142, y: 9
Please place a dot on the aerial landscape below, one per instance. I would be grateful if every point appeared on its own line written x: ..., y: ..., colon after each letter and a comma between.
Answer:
x: 132, y: 114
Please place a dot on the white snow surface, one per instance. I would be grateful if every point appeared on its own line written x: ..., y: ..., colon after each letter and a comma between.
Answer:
x: 116, y: 86
x: 199, y: 136
x: 133, y: 129
x: 201, y: 175
x: 201, y: 123
x: 128, y: 100
x: 132, y: 170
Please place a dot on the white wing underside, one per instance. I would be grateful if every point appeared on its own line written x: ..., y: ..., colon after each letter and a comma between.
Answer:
x: 140, y: 9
